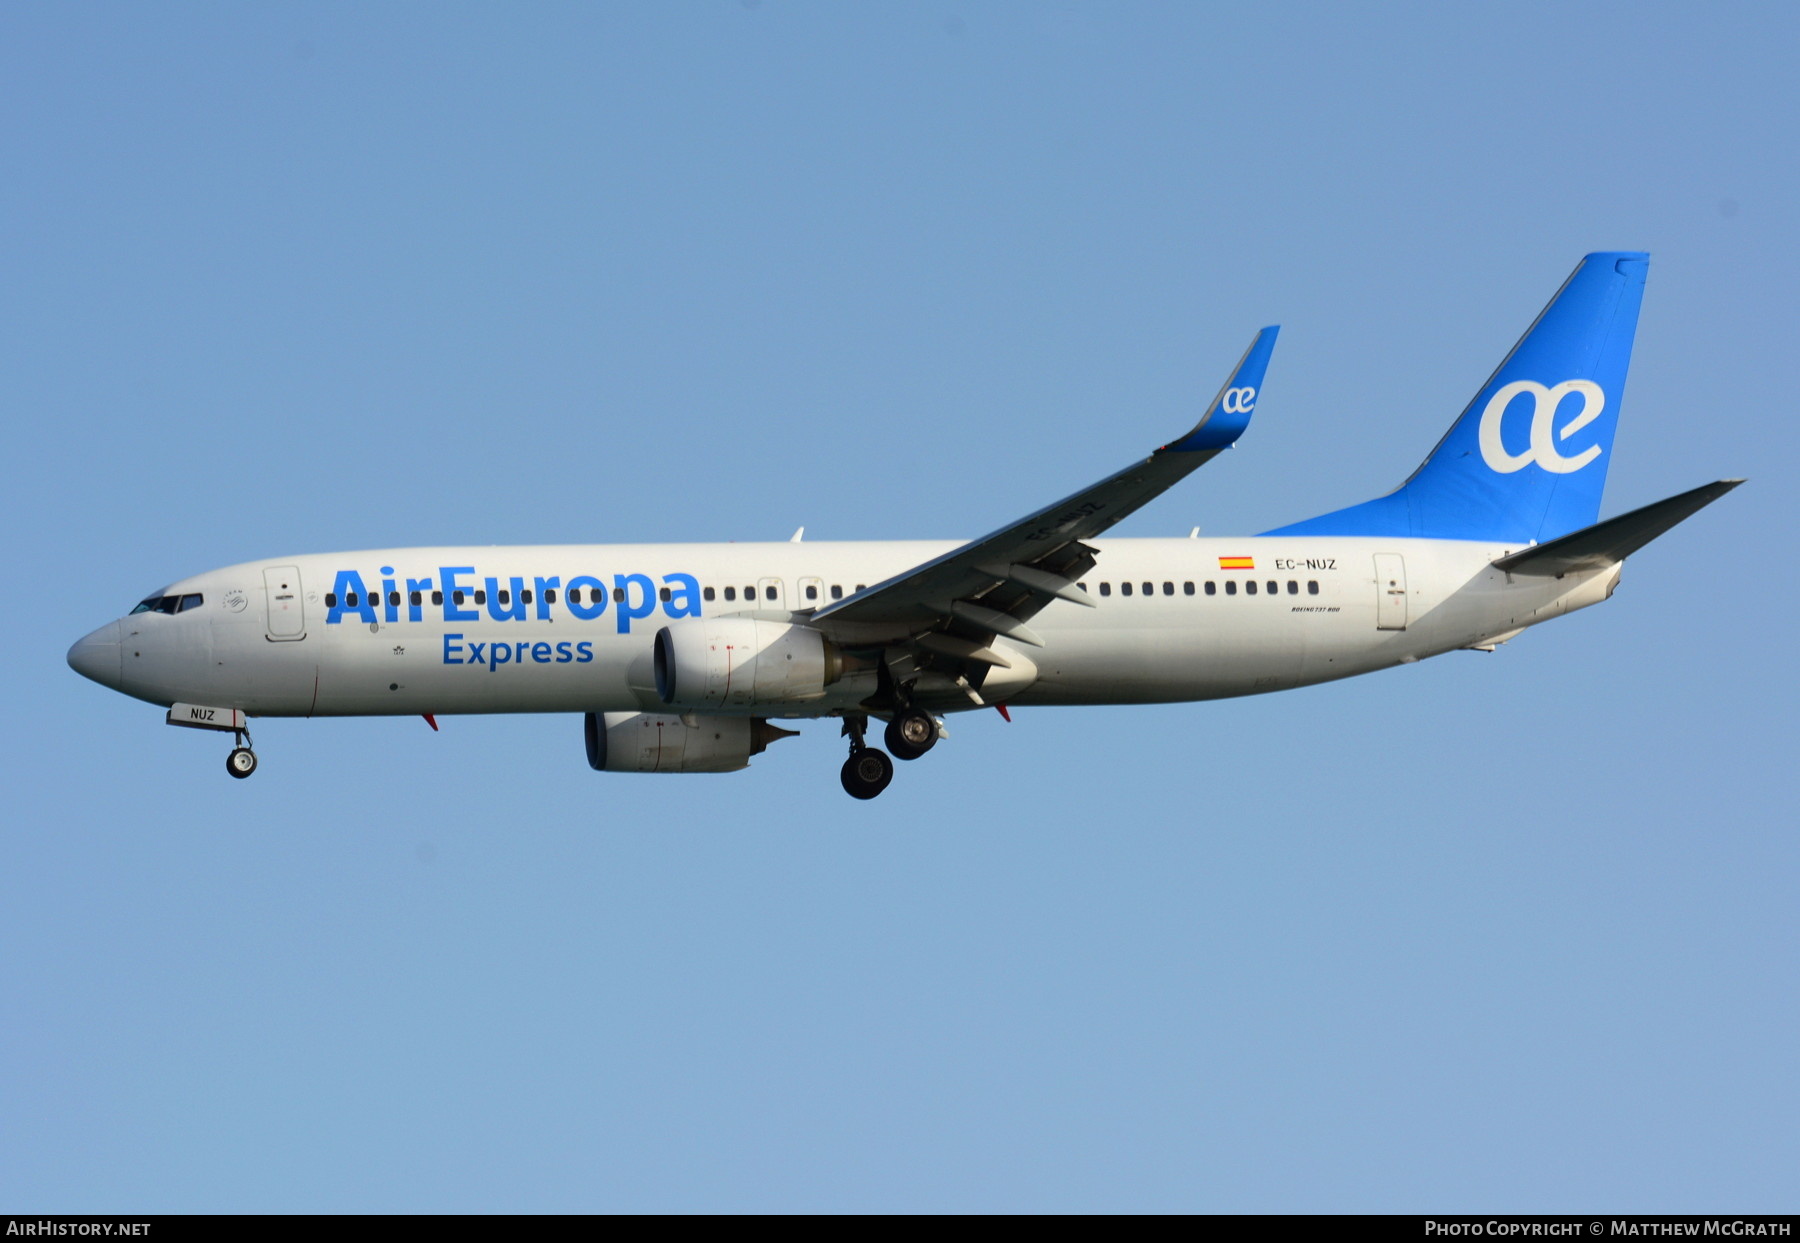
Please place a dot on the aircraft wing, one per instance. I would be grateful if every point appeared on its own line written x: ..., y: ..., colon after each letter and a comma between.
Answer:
x: 954, y: 605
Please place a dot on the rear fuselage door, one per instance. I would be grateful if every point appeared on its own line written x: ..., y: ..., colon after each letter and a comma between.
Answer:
x: 1390, y: 591
x: 287, y: 608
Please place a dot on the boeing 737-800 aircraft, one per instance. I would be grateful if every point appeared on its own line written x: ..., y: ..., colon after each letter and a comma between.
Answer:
x: 682, y: 656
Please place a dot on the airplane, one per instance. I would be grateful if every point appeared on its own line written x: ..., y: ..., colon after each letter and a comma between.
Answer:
x: 682, y: 658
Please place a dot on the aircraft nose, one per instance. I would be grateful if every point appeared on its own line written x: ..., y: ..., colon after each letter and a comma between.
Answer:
x: 97, y: 656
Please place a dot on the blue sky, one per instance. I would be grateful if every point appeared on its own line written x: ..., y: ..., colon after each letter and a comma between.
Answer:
x: 1492, y: 932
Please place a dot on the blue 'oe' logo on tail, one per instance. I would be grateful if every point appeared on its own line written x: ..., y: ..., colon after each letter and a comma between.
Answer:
x: 1541, y: 449
x: 1527, y: 459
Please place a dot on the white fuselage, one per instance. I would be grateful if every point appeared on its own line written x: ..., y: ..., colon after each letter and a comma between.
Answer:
x: 283, y: 638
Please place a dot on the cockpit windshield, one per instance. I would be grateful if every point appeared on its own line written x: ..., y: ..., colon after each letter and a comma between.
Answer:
x: 169, y: 604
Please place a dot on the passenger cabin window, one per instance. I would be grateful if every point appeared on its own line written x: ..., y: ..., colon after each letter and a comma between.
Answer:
x: 768, y: 593
x: 1274, y: 588
x: 837, y: 591
x: 1187, y: 589
x: 415, y: 599
x: 330, y: 602
x: 663, y: 595
x: 505, y: 596
x: 1212, y: 588
x: 481, y: 595
x: 1312, y: 587
x: 1250, y: 587
x: 1293, y: 588
x: 731, y: 593
x: 706, y: 593
x: 525, y: 596
x: 812, y: 592
x: 457, y: 595
x: 1168, y: 589
x: 618, y: 595
x: 1231, y: 586
x: 1124, y: 589
x: 1106, y: 589
x: 1149, y: 589
x: 549, y: 595
x: 394, y: 599
x: 437, y: 597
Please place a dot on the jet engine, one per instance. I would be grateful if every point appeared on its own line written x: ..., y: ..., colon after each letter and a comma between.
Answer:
x: 643, y: 742
x: 735, y: 662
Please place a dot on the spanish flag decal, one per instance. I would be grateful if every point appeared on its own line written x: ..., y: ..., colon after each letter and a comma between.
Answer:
x: 1237, y: 563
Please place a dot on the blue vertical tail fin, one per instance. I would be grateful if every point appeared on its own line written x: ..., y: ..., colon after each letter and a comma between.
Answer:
x: 1527, y: 460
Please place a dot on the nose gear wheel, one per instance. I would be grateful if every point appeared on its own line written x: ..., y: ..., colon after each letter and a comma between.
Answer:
x: 242, y: 760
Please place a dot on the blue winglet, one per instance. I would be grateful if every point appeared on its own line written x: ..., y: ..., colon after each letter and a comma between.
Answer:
x: 1229, y: 414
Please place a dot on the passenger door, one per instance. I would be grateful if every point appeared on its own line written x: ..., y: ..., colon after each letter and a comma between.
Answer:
x: 287, y: 606
x: 1390, y: 591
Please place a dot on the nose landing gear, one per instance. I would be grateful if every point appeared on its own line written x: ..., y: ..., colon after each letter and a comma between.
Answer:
x: 242, y: 760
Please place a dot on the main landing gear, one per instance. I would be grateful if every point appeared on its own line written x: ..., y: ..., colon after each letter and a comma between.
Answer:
x: 868, y: 771
x: 911, y: 734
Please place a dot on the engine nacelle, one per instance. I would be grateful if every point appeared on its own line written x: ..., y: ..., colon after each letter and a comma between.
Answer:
x: 737, y: 662
x: 643, y: 742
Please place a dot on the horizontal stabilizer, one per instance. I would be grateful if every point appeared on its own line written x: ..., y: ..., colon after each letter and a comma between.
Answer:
x: 1610, y: 542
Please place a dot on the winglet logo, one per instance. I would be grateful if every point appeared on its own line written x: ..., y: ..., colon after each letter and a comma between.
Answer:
x: 1542, y: 448
x: 1239, y: 400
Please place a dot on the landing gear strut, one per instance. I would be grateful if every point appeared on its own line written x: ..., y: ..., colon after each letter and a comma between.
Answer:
x: 867, y: 772
x: 242, y: 760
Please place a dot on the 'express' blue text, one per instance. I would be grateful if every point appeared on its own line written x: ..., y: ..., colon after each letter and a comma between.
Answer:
x: 493, y: 655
